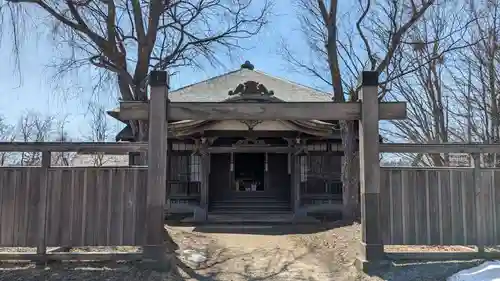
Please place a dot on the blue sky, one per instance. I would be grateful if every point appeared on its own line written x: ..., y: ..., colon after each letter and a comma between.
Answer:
x: 36, y: 90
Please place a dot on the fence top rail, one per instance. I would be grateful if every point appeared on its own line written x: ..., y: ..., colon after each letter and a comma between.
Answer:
x: 76, y: 168
x: 439, y: 148
x: 424, y: 168
x: 80, y: 147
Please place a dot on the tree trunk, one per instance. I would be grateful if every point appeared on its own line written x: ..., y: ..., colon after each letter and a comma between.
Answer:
x: 350, y: 176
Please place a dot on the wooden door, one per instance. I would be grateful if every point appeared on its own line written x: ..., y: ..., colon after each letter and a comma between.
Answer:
x: 278, y: 177
x: 220, y: 176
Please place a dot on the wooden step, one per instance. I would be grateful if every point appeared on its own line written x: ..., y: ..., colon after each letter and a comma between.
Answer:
x: 249, y: 210
x: 250, y: 204
x: 251, y: 199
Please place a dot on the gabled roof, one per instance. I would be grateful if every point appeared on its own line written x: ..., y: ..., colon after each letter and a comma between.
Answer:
x: 216, y: 89
x: 240, y: 85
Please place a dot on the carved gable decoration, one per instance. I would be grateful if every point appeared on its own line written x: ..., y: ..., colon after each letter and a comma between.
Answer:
x: 250, y: 142
x: 251, y: 88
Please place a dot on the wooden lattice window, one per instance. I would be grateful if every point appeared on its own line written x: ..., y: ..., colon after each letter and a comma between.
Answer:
x: 195, y: 168
x: 320, y: 174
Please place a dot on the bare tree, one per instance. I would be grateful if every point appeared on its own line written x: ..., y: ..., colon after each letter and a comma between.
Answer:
x: 7, y: 134
x: 124, y: 40
x: 62, y: 158
x: 476, y: 79
x: 431, y: 104
x: 382, y: 29
x: 99, y: 131
x: 33, y: 127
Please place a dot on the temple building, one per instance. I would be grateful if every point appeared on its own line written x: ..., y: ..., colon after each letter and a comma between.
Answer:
x: 251, y: 167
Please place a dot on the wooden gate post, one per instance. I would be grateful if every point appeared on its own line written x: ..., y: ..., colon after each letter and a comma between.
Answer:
x: 372, y: 249
x: 155, y: 249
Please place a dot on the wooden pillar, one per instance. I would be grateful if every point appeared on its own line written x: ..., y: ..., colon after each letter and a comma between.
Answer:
x: 296, y: 184
x: 157, y: 167
x: 372, y: 250
x: 266, y: 172
x: 168, y: 191
x: 42, y: 204
x: 205, y: 180
x: 232, y: 172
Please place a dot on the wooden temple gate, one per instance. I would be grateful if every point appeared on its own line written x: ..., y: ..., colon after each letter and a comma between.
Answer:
x: 367, y: 110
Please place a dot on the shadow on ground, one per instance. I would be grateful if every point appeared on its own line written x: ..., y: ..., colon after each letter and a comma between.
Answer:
x: 262, y: 229
x: 215, y: 271
x: 419, y: 270
x: 135, y: 271
x: 80, y: 271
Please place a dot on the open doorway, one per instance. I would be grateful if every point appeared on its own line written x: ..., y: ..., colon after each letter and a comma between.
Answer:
x: 249, y: 171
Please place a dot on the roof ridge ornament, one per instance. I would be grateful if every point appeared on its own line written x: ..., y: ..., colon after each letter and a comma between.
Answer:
x: 251, y: 88
x: 247, y: 65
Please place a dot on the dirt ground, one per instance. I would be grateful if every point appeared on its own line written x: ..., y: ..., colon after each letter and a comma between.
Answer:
x: 251, y: 253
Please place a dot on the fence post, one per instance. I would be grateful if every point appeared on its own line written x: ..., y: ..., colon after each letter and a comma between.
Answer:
x: 155, y: 249
x: 478, y: 200
x: 41, y: 248
x: 372, y: 249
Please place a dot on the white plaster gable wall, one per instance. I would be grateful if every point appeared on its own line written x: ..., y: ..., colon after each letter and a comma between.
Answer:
x: 216, y: 89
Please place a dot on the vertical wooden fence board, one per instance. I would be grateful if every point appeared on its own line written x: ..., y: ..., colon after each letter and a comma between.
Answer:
x: 405, y: 209
x: 21, y: 177
x: 54, y: 205
x: 493, y: 203
x: 131, y: 178
x: 140, y: 228
x: 446, y: 207
x: 8, y: 203
x: 484, y: 193
x: 112, y: 177
x: 33, y: 206
x: 103, y: 183
x: 78, y: 207
x: 3, y: 196
x: 457, y: 219
x: 433, y: 211
x: 66, y: 207
x: 470, y: 208
x: 117, y: 210
x: 492, y: 213
x: 90, y: 213
x: 385, y: 204
x: 483, y: 204
x: 487, y: 195
x: 421, y: 218
x: 496, y: 186
x: 397, y: 202
x: 410, y: 201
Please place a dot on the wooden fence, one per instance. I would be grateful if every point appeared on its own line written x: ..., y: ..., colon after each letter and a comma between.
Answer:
x: 48, y: 206
x: 438, y: 206
x: 85, y: 206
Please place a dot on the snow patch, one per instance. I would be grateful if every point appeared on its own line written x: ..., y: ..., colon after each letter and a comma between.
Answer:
x: 488, y: 271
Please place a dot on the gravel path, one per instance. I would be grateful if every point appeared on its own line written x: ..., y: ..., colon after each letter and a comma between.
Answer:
x: 245, y: 254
